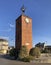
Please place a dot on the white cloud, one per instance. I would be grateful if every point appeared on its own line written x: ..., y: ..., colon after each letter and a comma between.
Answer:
x: 7, y: 30
x: 11, y: 25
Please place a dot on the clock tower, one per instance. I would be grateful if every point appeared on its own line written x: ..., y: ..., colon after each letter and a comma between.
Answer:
x: 23, y: 31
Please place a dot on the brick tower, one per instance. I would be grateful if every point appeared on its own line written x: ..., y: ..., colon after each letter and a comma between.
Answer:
x: 23, y: 32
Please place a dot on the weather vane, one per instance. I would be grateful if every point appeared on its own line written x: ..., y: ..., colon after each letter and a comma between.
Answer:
x: 23, y: 9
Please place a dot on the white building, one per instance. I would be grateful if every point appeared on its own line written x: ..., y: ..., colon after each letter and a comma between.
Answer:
x: 3, y: 46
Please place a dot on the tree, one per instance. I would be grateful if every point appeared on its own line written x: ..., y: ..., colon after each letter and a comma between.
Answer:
x: 40, y: 45
x: 23, y: 52
x: 35, y: 52
x: 12, y: 52
x: 46, y: 51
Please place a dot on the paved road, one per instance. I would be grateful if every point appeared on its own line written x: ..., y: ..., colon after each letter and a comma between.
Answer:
x: 5, y: 61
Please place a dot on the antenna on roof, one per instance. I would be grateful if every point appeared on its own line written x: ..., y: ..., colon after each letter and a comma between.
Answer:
x: 23, y: 9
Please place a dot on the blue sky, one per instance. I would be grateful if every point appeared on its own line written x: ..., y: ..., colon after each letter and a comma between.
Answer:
x: 38, y: 10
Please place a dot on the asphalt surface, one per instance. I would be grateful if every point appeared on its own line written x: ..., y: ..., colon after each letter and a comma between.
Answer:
x: 6, y: 61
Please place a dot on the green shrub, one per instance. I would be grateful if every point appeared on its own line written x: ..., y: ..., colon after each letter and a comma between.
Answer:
x: 12, y: 52
x: 27, y: 59
x: 30, y: 57
x: 23, y: 52
x: 46, y: 51
x: 35, y: 52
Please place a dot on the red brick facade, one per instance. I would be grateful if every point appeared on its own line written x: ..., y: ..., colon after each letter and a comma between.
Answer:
x: 23, y: 32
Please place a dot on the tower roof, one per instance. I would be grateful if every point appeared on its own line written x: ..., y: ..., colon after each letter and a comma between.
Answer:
x: 24, y: 16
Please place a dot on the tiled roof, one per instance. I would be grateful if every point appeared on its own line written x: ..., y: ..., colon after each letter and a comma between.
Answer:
x: 3, y: 40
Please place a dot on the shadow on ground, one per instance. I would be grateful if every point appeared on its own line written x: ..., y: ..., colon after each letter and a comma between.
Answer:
x: 6, y: 56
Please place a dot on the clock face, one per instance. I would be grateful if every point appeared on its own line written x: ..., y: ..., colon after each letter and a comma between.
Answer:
x: 27, y: 20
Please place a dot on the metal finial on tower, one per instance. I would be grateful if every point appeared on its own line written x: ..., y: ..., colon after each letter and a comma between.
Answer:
x: 23, y: 9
